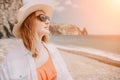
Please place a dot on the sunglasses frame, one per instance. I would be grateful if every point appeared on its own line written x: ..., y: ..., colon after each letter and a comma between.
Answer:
x: 43, y: 17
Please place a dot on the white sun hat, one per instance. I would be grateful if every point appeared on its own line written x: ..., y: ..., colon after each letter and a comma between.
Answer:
x: 28, y: 8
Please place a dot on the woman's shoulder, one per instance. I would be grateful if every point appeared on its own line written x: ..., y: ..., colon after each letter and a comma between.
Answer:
x: 15, y: 53
x: 14, y: 57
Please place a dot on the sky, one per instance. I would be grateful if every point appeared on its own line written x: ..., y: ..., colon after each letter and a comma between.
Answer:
x: 100, y: 17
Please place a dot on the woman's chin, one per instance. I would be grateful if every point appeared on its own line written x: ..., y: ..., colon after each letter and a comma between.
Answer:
x: 47, y: 32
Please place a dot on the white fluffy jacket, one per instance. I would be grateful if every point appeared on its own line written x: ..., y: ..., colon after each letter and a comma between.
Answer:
x: 20, y: 65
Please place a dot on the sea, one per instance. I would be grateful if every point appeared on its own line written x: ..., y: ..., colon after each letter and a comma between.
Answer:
x: 108, y: 43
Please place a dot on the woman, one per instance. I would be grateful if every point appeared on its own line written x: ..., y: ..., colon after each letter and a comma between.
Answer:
x: 34, y: 59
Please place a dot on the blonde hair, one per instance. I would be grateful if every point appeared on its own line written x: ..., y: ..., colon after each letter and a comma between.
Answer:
x: 29, y: 36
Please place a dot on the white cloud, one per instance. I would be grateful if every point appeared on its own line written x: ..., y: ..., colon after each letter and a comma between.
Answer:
x: 70, y: 3
x: 75, y: 5
x: 61, y: 4
x: 60, y: 8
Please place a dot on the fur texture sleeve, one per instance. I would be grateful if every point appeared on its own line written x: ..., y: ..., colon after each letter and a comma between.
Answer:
x: 4, y: 73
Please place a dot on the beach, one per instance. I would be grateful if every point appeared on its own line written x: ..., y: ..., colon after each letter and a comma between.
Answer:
x: 79, y: 66
x: 84, y: 68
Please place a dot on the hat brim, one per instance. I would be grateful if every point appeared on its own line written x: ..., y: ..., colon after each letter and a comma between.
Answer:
x: 25, y: 11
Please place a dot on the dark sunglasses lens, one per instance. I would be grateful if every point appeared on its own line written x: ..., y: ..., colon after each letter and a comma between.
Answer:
x: 43, y: 17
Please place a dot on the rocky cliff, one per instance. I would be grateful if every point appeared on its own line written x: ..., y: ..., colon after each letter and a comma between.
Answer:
x: 67, y: 29
x: 64, y: 29
x: 8, y: 9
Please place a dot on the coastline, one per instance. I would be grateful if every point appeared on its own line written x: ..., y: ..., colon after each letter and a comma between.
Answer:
x: 100, y: 55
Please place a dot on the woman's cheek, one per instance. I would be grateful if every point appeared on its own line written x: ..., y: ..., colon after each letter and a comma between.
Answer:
x: 39, y: 31
x: 42, y: 31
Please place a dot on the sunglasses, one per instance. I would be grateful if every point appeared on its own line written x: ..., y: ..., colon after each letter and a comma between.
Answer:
x: 43, y: 18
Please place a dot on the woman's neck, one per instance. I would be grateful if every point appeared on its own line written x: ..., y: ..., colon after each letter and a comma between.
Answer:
x: 40, y: 43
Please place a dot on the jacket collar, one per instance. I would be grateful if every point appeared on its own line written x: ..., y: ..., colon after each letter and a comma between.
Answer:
x: 26, y: 51
x: 23, y: 48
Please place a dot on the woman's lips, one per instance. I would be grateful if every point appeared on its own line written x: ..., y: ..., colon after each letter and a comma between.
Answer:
x: 47, y: 28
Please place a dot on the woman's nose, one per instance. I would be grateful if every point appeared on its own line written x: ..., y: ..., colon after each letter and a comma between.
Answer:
x: 47, y: 22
